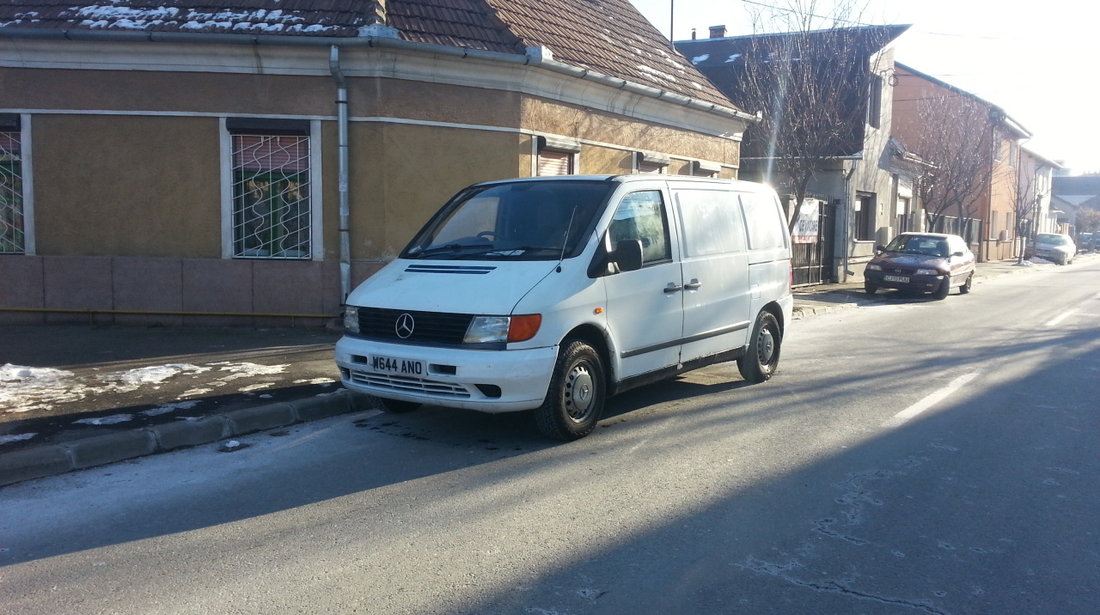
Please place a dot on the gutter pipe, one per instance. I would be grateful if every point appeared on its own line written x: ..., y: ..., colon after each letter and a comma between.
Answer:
x: 343, y: 172
x: 847, y: 219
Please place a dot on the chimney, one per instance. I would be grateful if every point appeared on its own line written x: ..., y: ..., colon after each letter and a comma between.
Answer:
x: 376, y: 12
x: 718, y: 31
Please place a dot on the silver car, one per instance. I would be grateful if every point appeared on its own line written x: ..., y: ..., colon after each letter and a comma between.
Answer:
x: 1055, y: 247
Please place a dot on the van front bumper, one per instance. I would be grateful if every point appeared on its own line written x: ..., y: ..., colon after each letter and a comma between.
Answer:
x: 490, y: 381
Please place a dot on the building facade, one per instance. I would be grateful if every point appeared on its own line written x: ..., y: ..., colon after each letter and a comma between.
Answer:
x: 251, y: 167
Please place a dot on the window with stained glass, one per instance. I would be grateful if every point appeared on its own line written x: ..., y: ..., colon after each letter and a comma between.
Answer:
x: 271, y: 186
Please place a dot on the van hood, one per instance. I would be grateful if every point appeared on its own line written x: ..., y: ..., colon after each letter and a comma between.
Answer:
x: 460, y: 287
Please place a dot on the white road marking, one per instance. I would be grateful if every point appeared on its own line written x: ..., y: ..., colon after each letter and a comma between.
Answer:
x: 1053, y: 322
x: 916, y: 409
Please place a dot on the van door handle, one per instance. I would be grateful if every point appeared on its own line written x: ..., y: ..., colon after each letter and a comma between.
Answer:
x: 673, y: 288
x: 694, y: 284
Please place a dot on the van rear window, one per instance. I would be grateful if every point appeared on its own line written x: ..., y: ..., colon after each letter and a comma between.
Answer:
x: 764, y: 222
x: 711, y: 222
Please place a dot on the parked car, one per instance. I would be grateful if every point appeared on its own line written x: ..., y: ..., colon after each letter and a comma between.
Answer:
x: 1085, y: 242
x: 551, y: 294
x: 923, y: 262
x: 1055, y: 247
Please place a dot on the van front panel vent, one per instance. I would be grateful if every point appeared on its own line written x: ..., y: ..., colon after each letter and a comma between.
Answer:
x: 460, y: 269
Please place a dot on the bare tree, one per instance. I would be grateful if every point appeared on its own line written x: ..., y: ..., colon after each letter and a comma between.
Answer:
x: 1088, y: 220
x: 1025, y: 199
x: 813, y: 82
x: 952, y: 134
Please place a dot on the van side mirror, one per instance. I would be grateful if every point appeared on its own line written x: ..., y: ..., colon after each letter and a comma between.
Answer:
x: 879, y: 248
x: 628, y: 255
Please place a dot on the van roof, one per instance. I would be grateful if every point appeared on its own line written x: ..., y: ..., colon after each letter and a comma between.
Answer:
x: 637, y: 177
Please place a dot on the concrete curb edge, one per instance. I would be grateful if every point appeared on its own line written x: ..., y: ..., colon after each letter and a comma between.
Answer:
x: 52, y: 459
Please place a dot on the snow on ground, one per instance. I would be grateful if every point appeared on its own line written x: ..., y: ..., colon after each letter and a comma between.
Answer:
x: 26, y: 388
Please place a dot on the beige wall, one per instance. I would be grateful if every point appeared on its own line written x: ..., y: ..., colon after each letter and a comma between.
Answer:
x: 182, y: 92
x: 126, y: 186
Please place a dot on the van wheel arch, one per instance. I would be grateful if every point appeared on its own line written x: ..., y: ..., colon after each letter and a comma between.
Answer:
x: 595, y: 338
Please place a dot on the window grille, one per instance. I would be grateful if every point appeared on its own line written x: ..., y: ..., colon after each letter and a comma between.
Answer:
x: 12, y: 238
x: 271, y: 186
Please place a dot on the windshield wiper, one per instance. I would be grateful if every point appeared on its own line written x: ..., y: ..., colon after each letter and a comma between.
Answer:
x: 452, y: 248
x: 520, y: 250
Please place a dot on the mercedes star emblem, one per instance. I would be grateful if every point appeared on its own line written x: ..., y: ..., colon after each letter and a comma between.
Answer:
x: 404, y: 326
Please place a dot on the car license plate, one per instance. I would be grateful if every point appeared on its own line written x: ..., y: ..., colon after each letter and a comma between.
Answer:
x: 896, y: 278
x: 390, y: 365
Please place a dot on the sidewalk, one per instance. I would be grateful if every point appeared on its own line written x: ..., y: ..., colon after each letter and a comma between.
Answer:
x: 78, y: 396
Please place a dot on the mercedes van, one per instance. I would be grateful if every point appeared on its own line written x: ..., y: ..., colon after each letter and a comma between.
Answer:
x: 551, y: 294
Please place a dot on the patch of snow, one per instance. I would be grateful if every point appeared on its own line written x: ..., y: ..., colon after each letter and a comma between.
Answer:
x: 16, y: 438
x: 114, y: 419
x: 256, y: 387
x: 166, y: 408
x: 702, y: 58
x: 34, y: 388
x: 656, y: 73
x: 245, y: 370
x: 315, y: 381
x: 733, y: 58
x: 156, y: 374
x: 28, y: 389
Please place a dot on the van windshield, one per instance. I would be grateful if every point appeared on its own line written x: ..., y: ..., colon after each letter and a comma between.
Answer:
x: 525, y: 220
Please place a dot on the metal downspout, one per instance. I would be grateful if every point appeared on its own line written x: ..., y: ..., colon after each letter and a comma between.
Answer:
x: 342, y: 173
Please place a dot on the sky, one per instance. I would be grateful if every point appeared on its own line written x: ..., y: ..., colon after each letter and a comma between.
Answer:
x: 1034, y: 60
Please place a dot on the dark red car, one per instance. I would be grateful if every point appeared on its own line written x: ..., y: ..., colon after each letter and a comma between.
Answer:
x: 922, y: 262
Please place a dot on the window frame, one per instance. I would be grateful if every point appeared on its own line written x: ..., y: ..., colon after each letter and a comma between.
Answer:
x: 867, y: 216
x: 20, y: 124
x: 311, y: 129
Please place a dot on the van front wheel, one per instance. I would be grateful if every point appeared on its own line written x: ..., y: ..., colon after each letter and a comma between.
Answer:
x: 575, y: 399
x: 762, y: 355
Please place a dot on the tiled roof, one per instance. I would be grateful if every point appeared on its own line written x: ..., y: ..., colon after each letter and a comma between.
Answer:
x: 606, y: 36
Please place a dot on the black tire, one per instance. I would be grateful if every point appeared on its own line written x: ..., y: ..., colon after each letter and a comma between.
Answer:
x: 945, y: 287
x: 869, y: 287
x: 575, y: 399
x: 968, y: 284
x: 761, y: 357
x: 396, y: 406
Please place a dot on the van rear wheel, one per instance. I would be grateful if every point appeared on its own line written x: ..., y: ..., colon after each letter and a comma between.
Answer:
x: 576, y: 395
x: 761, y: 358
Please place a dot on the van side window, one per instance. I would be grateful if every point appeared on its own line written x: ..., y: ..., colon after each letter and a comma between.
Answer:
x: 711, y: 221
x: 641, y: 215
x: 764, y: 222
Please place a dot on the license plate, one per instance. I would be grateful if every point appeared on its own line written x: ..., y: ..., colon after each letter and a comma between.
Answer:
x: 896, y: 278
x: 390, y: 365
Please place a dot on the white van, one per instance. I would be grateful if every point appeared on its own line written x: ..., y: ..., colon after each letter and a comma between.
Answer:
x: 551, y: 294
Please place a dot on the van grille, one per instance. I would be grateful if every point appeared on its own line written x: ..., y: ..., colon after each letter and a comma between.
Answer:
x: 427, y: 327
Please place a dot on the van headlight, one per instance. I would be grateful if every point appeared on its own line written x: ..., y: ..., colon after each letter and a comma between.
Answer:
x: 927, y: 272
x: 874, y: 267
x: 351, y: 319
x: 502, y: 329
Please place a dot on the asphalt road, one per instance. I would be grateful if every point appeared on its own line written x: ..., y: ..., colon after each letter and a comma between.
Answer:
x: 911, y: 456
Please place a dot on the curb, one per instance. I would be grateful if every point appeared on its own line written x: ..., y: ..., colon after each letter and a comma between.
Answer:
x: 53, y: 459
